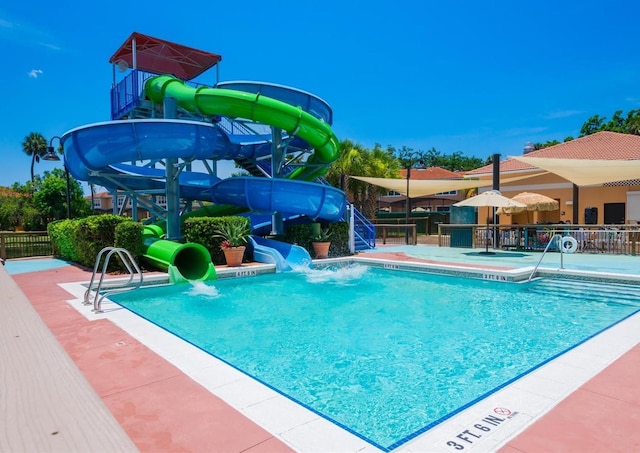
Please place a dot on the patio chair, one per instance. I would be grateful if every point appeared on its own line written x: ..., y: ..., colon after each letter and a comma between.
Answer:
x: 509, y: 239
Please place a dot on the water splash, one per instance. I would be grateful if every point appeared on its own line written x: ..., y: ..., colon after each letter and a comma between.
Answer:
x: 202, y: 289
x: 343, y: 275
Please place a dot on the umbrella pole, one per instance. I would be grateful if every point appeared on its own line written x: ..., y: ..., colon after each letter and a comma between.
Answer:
x: 486, y: 238
x: 486, y: 241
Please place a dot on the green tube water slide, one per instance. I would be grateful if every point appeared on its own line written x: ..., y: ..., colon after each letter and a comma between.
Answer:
x: 183, y: 262
x: 254, y: 107
x: 189, y: 262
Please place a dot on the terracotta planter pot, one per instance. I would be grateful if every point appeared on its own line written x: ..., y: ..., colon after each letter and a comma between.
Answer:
x: 233, y: 255
x: 321, y: 249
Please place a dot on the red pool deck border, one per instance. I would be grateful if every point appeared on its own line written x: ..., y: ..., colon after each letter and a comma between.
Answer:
x: 161, y: 409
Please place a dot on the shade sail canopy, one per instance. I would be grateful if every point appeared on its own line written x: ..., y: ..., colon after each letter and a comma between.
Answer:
x: 490, y: 198
x: 587, y: 172
x: 421, y: 188
x: 424, y: 187
x: 532, y: 201
x: 163, y: 57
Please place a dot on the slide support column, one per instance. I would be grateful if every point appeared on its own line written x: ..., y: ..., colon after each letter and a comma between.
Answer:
x: 277, y: 162
x: 172, y: 185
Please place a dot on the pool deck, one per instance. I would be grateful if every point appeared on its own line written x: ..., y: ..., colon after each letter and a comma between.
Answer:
x: 75, y: 381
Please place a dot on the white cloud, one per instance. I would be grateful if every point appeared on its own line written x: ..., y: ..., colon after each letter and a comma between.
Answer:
x: 563, y: 114
x: 34, y: 73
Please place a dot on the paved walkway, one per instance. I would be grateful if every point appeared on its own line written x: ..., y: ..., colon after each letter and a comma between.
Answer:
x: 159, y: 408
x: 46, y: 403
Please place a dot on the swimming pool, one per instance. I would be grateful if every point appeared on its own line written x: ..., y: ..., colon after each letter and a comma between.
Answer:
x: 385, y: 354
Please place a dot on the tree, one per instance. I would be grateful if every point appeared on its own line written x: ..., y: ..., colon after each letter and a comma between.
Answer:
x: 434, y: 158
x: 34, y: 146
x: 546, y: 144
x: 349, y: 163
x: 50, y: 196
x: 10, y: 210
x: 592, y: 125
x: 380, y: 163
x: 624, y: 125
x: 356, y: 160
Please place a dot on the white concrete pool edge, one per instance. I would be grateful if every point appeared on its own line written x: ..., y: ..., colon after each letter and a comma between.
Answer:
x: 502, y: 415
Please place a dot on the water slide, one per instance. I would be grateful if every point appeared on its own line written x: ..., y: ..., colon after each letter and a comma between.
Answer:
x: 99, y: 152
x: 285, y: 256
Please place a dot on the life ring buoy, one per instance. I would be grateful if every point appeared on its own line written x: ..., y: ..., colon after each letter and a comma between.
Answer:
x: 569, y: 244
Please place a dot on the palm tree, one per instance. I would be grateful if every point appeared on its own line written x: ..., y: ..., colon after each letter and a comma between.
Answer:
x: 356, y: 160
x: 35, y: 146
x: 349, y: 163
x: 378, y: 163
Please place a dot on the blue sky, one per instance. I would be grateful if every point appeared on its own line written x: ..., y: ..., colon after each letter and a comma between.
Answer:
x: 476, y: 77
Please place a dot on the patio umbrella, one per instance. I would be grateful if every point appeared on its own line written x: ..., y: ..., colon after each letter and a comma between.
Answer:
x: 490, y: 199
x: 532, y: 202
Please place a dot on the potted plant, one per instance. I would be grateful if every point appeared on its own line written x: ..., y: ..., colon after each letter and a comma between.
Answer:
x: 320, y: 238
x: 234, y: 233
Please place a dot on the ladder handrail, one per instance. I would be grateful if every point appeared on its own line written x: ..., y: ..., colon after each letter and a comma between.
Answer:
x: 129, y: 263
x: 559, y: 237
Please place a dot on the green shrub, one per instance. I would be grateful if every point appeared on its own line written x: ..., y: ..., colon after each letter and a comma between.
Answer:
x: 302, y: 235
x: 62, y: 234
x: 205, y: 231
x: 128, y: 235
x: 80, y: 240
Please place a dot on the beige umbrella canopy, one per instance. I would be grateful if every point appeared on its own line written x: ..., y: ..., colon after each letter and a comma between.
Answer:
x: 490, y: 198
x: 532, y: 202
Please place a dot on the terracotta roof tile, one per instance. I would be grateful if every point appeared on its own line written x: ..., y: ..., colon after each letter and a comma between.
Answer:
x: 601, y: 145
x: 430, y: 173
x: 6, y: 191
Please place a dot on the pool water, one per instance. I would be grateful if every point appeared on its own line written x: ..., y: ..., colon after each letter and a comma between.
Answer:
x: 385, y: 354
x: 14, y: 267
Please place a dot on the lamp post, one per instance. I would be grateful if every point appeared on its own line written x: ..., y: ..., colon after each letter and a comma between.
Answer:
x: 410, y: 161
x: 52, y: 156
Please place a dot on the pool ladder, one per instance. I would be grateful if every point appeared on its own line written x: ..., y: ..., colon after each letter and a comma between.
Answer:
x: 560, y: 247
x: 113, y: 287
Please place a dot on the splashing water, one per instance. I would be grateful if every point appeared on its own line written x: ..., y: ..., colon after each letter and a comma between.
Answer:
x: 202, y: 289
x: 344, y: 275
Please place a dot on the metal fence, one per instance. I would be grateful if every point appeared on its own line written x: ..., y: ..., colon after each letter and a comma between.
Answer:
x: 391, y: 233
x: 611, y: 239
x: 24, y: 244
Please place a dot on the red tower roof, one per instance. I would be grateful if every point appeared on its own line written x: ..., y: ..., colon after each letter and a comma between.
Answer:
x: 164, y: 57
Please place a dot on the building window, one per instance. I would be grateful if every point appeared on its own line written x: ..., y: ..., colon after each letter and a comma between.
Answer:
x: 393, y: 193
x: 121, y: 202
x: 97, y: 203
x: 161, y: 200
x: 452, y: 192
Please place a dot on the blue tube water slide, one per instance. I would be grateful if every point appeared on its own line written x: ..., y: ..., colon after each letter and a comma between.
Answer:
x: 285, y: 256
x: 98, y: 153
x: 105, y: 154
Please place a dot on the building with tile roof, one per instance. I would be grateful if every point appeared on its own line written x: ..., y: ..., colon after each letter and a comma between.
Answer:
x: 396, y: 202
x: 609, y: 203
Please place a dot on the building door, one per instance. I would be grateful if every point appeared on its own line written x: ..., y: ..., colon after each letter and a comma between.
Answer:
x: 614, y: 213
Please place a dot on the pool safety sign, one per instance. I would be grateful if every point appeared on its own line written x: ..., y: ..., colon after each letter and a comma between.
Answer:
x: 481, y: 429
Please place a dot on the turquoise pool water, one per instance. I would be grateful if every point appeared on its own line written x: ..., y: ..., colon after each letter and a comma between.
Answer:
x: 33, y: 265
x: 385, y: 354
